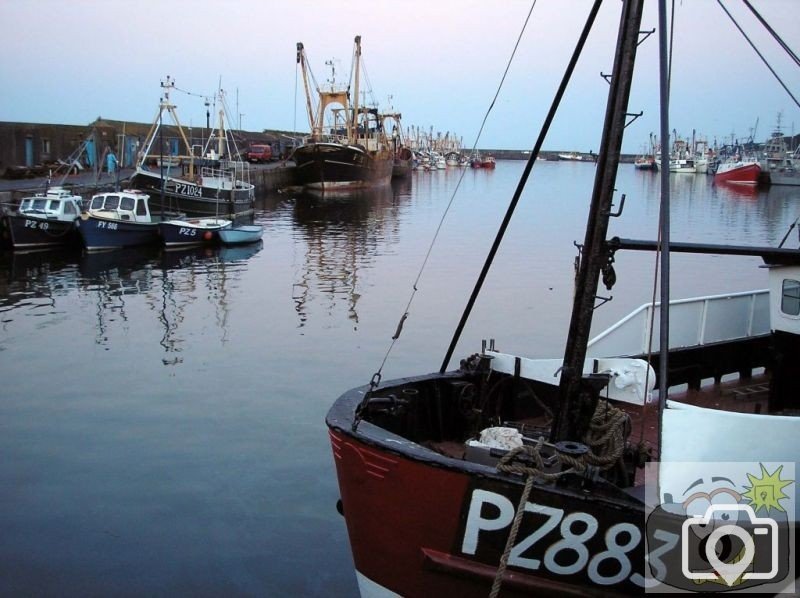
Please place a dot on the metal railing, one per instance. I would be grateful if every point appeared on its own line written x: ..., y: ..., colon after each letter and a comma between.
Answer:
x: 693, y: 323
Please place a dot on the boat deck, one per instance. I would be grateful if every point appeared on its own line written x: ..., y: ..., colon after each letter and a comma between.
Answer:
x: 742, y: 394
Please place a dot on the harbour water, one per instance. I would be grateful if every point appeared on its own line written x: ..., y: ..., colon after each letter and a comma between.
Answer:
x: 162, y: 412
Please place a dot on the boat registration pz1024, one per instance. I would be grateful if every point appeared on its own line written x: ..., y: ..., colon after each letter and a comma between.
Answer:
x: 188, y: 189
x: 555, y: 541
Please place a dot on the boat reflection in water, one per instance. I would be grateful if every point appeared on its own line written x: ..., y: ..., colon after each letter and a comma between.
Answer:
x: 736, y: 190
x: 35, y: 277
x: 339, y: 233
x: 168, y: 280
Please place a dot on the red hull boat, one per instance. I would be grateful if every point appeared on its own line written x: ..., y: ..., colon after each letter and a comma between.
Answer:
x: 738, y: 172
x: 524, y: 475
x: 442, y: 522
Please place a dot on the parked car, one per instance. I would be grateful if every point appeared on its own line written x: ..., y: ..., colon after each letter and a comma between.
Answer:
x: 259, y: 153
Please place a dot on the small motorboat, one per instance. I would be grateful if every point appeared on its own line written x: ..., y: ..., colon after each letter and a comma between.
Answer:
x: 119, y: 219
x: 192, y: 231
x: 43, y: 220
x: 238, y: 235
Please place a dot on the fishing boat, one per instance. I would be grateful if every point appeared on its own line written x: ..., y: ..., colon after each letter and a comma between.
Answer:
x: 43, y: 221
x: 119, y: 219
x: 403, y: 162
x: 478, y: 161
x: 646, y: 160
x: 348, y: 148
x: 453, y: 158
x: 524, y: 475
x: 403, y: 156
x: 703, y: 155
x: 785, y: 172
x: 779, y: 163
x: 240, y: 235
x: 192, y: 231
x: 488, y: 162
x: 204, y: 179
x: 571, y: 157
x: 738, y: 170
x: 681, y: 159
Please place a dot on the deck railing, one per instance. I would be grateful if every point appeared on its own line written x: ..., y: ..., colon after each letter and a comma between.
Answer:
x: 693, y: 323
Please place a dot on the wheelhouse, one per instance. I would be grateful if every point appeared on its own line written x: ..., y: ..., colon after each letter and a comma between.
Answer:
x: 124, y: 205
x: 57, y: 204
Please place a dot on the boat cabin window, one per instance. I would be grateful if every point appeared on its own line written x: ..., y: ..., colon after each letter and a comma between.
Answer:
x: 790, y: 300
x: 141, y: 208
x: 111, y: 203
x: 39, y: 204
x: 69, y: 208
x: 97, y: 203
x: 55, y: 206
x: 26, y: 204
x: 127, y: 203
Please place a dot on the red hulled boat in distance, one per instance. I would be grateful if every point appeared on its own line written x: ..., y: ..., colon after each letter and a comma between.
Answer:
x: 738, y: 171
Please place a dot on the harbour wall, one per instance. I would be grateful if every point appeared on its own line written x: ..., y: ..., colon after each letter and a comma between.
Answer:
x: 272, y: 177
x: 266, y: 178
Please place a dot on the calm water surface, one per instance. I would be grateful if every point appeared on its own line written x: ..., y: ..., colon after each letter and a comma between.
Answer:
x: 162, y: 412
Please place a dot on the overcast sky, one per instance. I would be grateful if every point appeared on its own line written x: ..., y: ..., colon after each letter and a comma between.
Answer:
x: 440, y: 60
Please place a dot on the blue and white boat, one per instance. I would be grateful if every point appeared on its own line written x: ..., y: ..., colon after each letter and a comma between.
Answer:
x: 43, y: 220
x: 192, y: 231
x: 119, y: 219
x: 249, y: 233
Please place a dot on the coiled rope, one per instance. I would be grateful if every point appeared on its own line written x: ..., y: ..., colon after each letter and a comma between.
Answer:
x: 606, y: 442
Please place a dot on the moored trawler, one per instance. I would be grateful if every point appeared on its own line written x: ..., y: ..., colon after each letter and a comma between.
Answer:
x: 741, y: 171
x: 354, y: 152
x: 213, y: 183
x: 779, y: 164
x: 645, y: 162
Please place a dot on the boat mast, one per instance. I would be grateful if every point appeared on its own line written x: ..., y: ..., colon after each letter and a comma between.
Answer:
x: 357, y: 63
x: 664, y: 224
x: 221, y: 137
x: 578, y: 394
x: 301, y: 60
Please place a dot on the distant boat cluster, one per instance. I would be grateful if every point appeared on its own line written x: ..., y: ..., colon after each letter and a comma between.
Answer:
x: 774, y: 162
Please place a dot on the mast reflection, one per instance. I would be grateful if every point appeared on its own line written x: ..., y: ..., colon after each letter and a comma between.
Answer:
x: 340, y: 235
x: 120, y: 284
